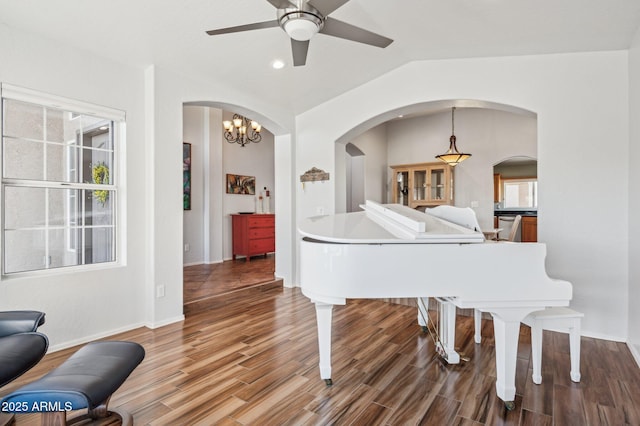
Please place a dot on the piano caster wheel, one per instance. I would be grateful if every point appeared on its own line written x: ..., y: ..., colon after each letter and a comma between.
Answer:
x: 329, y: 382
x: 509, y: 405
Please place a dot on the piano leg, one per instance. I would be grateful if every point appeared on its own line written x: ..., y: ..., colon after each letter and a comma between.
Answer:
x: 477, y: 324
x: 447, y: 332
x: 323, y: 317
x: 506, y: 326
x: 423, y: 312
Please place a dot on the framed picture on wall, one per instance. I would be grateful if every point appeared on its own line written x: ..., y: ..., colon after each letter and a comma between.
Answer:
x: 186, y: 176
x: 238, y: 184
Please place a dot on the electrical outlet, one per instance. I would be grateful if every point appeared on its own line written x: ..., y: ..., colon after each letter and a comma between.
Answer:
x: 474, y: 204
x: 187, y: 247
x: 159, y: 291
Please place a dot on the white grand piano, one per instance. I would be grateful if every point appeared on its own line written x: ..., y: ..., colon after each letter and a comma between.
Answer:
x: 392, y: 251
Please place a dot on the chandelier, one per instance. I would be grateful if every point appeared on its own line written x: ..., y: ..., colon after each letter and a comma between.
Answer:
x: 453, y: 156
x: 242, y: 130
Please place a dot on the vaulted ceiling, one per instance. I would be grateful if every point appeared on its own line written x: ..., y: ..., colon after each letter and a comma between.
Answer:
x: 171, y: 34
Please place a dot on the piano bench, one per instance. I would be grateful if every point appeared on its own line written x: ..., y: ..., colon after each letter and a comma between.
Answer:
x: 560, y: 319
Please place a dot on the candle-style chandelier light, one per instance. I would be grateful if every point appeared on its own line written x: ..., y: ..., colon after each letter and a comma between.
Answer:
x: 242, y: 130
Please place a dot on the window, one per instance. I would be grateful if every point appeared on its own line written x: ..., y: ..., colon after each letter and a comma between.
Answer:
x: 520, y: 193
x: 59, y: 187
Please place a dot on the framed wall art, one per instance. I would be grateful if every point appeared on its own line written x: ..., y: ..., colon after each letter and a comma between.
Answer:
x: 186, y: 176
x: 238, y: 184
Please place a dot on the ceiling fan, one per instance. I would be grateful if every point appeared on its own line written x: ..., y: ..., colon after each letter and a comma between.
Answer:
x: 302, y: 19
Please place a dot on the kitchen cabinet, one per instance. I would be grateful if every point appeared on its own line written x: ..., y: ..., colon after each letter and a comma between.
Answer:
x: 497, y: 188
x: 253, y: 234
x: 529, y: 231
x: 423, y: 184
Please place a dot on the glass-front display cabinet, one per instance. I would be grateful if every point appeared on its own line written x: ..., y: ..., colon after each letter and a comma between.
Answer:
x: 401, y: 188
x: 422, y: 185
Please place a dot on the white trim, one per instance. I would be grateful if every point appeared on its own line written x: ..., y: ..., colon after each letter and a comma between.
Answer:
x: 97, y: 336
x: 635, y: 351
x: 53, y: 101
x: 116, y: 118
x: 154, y: 325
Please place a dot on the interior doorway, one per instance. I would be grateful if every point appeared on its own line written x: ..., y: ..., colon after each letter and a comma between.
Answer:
x: 355, y: 169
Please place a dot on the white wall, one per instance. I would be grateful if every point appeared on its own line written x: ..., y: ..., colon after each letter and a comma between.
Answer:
x: 193, y: 225
x: 374, y: 145
x: 581, y: 101
x: 80, y: 306
x: 634, y: 197
x: 489, y: 135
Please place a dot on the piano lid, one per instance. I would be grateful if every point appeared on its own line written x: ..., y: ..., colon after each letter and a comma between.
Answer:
x: 385, y: 224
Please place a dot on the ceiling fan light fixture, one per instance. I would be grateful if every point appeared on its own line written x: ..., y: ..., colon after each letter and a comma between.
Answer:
x: 301, y: 26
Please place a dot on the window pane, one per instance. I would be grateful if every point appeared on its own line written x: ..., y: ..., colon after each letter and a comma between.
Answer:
x: 24, y: 250
x: 97, y: 133
x: 520, y: 193
x: 97, y: 166
x: 63, y: 209
x: 55, y: 163
x: 98, y: 243
x: 57, y: 124
x: 60, y: 249
x: 23, y: 159
x: 23, y: 120
x: 23, y: 207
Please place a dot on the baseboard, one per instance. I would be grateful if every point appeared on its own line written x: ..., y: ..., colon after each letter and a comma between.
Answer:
x: 635, y: 351
x: 212, y: 262
x: 587, y: 333
x: 91, y: 338
x: 154, y: 325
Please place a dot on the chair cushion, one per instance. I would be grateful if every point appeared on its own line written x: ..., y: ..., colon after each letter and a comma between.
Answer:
x: 19, y: 352
x: 12, y: 322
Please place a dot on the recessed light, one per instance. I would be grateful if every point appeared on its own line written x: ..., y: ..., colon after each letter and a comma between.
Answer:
x: 277, y: 64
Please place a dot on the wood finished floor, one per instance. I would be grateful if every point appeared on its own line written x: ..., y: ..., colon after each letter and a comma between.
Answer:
x: 204, y: 284
x: 253, y: 361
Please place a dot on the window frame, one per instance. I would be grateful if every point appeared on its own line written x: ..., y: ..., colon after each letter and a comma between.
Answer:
x: 117, y: 119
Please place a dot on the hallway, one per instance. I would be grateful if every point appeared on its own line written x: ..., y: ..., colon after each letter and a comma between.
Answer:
x: 206, y: 285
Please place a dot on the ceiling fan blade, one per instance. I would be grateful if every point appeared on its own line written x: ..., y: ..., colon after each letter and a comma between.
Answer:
x: 299, y: 50
x: 340, y: 29
x: 247, y: 27
x: 327, y: 6
x: 282, y: 4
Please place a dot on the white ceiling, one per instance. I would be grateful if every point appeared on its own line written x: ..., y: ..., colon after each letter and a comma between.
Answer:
x: 171, y: 34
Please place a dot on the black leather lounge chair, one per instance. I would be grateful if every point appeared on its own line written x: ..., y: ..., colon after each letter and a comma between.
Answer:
x: 85, y: 381
x: 21, y: 347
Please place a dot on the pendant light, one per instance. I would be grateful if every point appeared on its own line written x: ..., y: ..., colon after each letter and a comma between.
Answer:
x: 453, y: 157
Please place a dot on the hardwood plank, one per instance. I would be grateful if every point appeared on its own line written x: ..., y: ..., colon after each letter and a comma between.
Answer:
x: 530, y: 418
x: 442, y: 411
x: 568, y: 405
